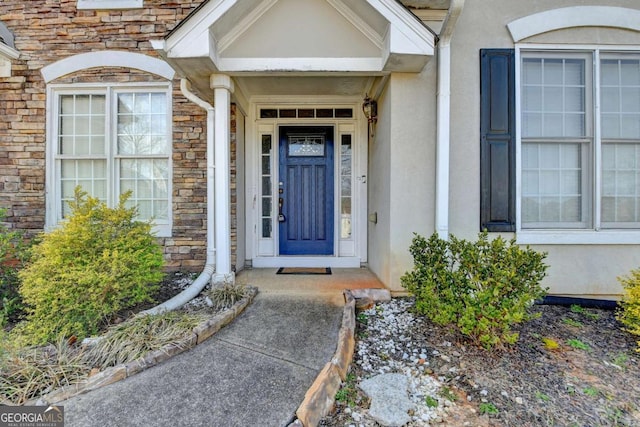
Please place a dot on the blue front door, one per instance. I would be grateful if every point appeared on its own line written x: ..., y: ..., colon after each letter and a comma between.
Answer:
x: 305, y: 193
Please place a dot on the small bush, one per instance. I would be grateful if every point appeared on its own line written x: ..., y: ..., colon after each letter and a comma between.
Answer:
x: 482, y: 287
x: 13, y: 254
x: 629, y: 314
x: 98, y: 262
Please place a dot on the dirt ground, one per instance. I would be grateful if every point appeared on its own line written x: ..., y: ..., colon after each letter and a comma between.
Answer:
x: 572, y: 366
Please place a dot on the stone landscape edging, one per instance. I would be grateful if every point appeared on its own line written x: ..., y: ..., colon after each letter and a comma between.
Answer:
x: 113, y: 374
x: 320, y: 397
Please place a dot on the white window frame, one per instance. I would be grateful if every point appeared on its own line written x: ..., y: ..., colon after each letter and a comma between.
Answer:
x: 594, y: 234
x: 110, y: 91
x: 108, y: 4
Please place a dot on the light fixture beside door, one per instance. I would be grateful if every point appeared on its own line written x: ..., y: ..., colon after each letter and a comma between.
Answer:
x: 370, y: 110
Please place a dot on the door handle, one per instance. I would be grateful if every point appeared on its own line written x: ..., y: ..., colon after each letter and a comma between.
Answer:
x: 281, y: 217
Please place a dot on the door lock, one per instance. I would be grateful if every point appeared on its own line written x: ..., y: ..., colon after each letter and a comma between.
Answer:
x: 281, y: 217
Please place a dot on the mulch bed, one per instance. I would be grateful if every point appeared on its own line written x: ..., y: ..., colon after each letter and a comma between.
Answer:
x: 592, y: 378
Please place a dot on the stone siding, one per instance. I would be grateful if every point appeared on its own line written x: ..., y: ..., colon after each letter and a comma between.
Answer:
x: 49, y: 30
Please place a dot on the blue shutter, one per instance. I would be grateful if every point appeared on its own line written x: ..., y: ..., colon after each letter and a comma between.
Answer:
x: 497, y: 140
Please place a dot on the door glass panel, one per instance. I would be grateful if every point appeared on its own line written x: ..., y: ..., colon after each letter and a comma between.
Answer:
x: 267, y: 201
x: 306, y: 145
x: 346, y: 180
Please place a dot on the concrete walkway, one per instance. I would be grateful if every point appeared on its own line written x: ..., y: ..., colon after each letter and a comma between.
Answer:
x: 254, y: 372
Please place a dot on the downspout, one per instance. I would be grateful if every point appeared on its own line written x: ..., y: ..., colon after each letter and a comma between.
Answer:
x: 444, y: 119
x: 205, y: 276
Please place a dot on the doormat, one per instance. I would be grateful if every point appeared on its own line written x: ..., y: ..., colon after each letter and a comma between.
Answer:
x: 303, y: 270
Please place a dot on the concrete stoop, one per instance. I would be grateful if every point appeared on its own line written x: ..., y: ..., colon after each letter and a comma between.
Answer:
x: 117, y: 373
x: 320, y: 397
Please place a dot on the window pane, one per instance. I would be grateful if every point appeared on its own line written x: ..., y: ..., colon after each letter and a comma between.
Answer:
x: 266, y: 165
x: 552, y: 183
x: 630, y: 72
x: 142, y: 103
x: 148, y: 181
x: 532, y: 98
x: 552, y: 72
x: 553, y: 100
x: 620, y: 98
x: 610, y: 125
x: 553, y: 97
x: 158, y: 103
x: 609, y: 72
x: 266, y: 228
x: 66, y: 104
x: 630, y: 126
x: 574, y: 99
x: 266, y: 185
x: 620, y: 183
x: 83, y: 104
x: 631, y: 100
x: 345, y: 218
x: 90, y: 174
x: 266, y: 206
x: 610, y: 99
x: 82, y: 116
x: 532, y: 124
x: 266, y: 144
x: 532, y: 71
x: 346, y: 186
x: 141, y: 128
x: 574, y: 72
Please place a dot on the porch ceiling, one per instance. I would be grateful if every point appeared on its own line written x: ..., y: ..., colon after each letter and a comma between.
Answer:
x: 348, y: 40
x: 305, y: 85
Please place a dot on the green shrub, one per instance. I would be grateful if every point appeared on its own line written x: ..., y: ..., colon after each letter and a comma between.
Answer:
x: 98, y: 262
x: 482, y: 287
x: 13, y: 253
x: 629, y: 314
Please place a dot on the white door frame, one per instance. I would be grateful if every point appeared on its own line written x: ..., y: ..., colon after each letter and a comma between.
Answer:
x: 263, y: 251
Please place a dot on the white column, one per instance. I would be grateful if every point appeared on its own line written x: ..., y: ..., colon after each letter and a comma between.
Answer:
x: 222, y: 86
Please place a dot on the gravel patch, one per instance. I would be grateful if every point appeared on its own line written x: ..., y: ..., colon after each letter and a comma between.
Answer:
x: 592, y: 377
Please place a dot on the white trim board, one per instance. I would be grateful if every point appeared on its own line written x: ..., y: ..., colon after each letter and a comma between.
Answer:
x: 575, y: 16
x: 107, y: 58
x: 311, y: 262
x: 578, y: 237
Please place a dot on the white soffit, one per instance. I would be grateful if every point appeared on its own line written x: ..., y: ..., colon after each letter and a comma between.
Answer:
x: 237, y: 36
x: 575, y: 16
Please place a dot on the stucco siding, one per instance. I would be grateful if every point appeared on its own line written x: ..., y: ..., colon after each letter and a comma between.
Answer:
x: 379, y: 185
x: 413, y: 165
x: 402, y: 172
